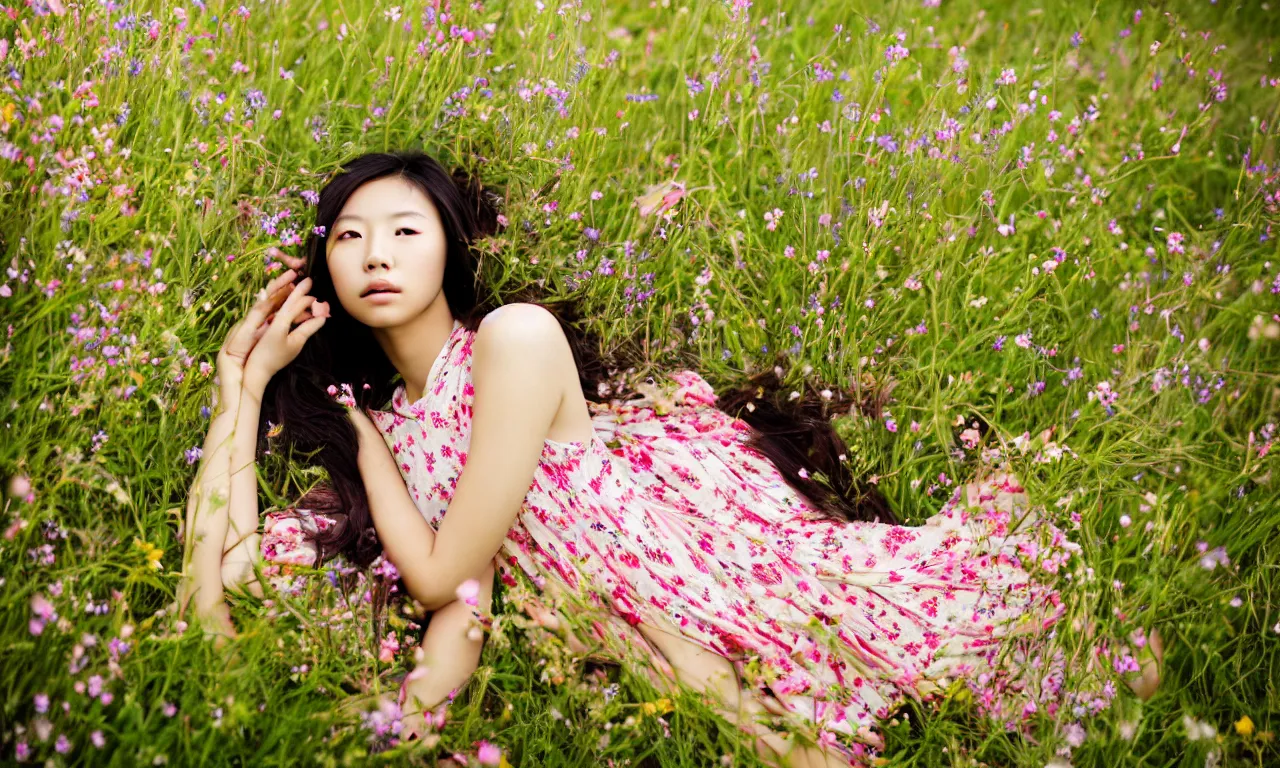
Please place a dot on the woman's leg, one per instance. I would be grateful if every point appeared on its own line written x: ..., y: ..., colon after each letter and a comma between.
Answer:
x: 711, y: 673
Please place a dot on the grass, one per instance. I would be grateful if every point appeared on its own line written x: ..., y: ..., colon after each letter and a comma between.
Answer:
x: 1073, y: 231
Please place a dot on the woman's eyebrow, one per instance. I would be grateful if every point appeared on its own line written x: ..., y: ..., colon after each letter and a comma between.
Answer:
x: 391, y: 216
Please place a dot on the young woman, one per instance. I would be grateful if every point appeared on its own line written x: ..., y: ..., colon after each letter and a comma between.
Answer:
x: 677, y: 531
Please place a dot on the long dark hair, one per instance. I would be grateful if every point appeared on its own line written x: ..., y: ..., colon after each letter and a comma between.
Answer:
x: 793, y: 434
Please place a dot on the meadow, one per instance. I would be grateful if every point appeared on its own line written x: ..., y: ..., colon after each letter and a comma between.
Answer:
x: 1045, y: 230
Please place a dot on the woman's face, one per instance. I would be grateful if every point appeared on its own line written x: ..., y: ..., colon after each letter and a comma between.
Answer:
x: 388, y: 230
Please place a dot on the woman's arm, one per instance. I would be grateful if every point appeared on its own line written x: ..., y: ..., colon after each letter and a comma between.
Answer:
x: 407, y: 539
x: 449, y: 657
x: 208, y: 505
x: 241, y: 547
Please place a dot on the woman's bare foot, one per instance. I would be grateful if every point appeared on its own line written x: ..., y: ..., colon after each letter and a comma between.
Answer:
x: 1152, y: 665
x: 1151, y: 662
x: 238, y: 566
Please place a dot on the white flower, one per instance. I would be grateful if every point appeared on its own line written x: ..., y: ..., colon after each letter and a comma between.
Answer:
x: 1197, y: 730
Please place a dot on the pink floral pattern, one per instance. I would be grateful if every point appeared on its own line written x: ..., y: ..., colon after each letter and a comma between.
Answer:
x: 665, y: 517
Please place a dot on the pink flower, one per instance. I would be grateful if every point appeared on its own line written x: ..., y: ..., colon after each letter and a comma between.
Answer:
x: 468, y: 590
x: 488, y: 754
x: 19, y: 486
x: 659, y: 198
x: 41, y: 607
x: 389, y: 647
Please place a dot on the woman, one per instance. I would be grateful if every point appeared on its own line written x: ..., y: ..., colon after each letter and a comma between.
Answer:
x: 705, y: 547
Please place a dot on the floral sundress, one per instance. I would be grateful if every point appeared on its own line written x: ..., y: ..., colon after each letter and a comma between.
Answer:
x: 665, y: 517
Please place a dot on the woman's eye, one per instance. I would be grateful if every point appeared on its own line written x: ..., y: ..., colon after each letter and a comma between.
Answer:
x: 357, y: 234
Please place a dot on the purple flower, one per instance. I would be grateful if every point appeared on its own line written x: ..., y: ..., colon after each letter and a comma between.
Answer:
x: 42, y: 702
x: 1217, y: 556
x: 193, y: 455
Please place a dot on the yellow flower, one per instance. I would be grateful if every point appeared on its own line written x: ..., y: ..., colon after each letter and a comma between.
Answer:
x: 152, y: 552
x: 661, y: 706
x: 1244, y: 726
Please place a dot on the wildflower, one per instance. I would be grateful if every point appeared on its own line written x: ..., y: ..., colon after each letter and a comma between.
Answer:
x: 152, y: 552
x: 388, y: 648
x: 488, y: 754
x: 468, y: 590
x: 1244, y: 726
x: 19, y: 486
x: 1214, y: 558
x: 1075, y: 734
x: 658, y: 198
x: 1197, y: 730
x: 193, y: 455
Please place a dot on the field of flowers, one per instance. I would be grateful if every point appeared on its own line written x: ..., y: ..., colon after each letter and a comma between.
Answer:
x: 1046, y: 230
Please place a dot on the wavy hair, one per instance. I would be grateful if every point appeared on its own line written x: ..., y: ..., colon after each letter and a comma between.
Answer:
x: 793, y: 434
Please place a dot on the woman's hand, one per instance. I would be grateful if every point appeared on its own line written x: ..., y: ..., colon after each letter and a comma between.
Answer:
x: 214, y: 617
x: 367, y: 433
x: 276, y: 341
x: 244, y: 334
x: 263, y: 342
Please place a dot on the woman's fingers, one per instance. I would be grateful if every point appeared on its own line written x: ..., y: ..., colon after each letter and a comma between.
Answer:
x: 317, y: 309
x: 292, y: 261
x: 307, y: 328
x: 293, y: 304
x: 269, y: 300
